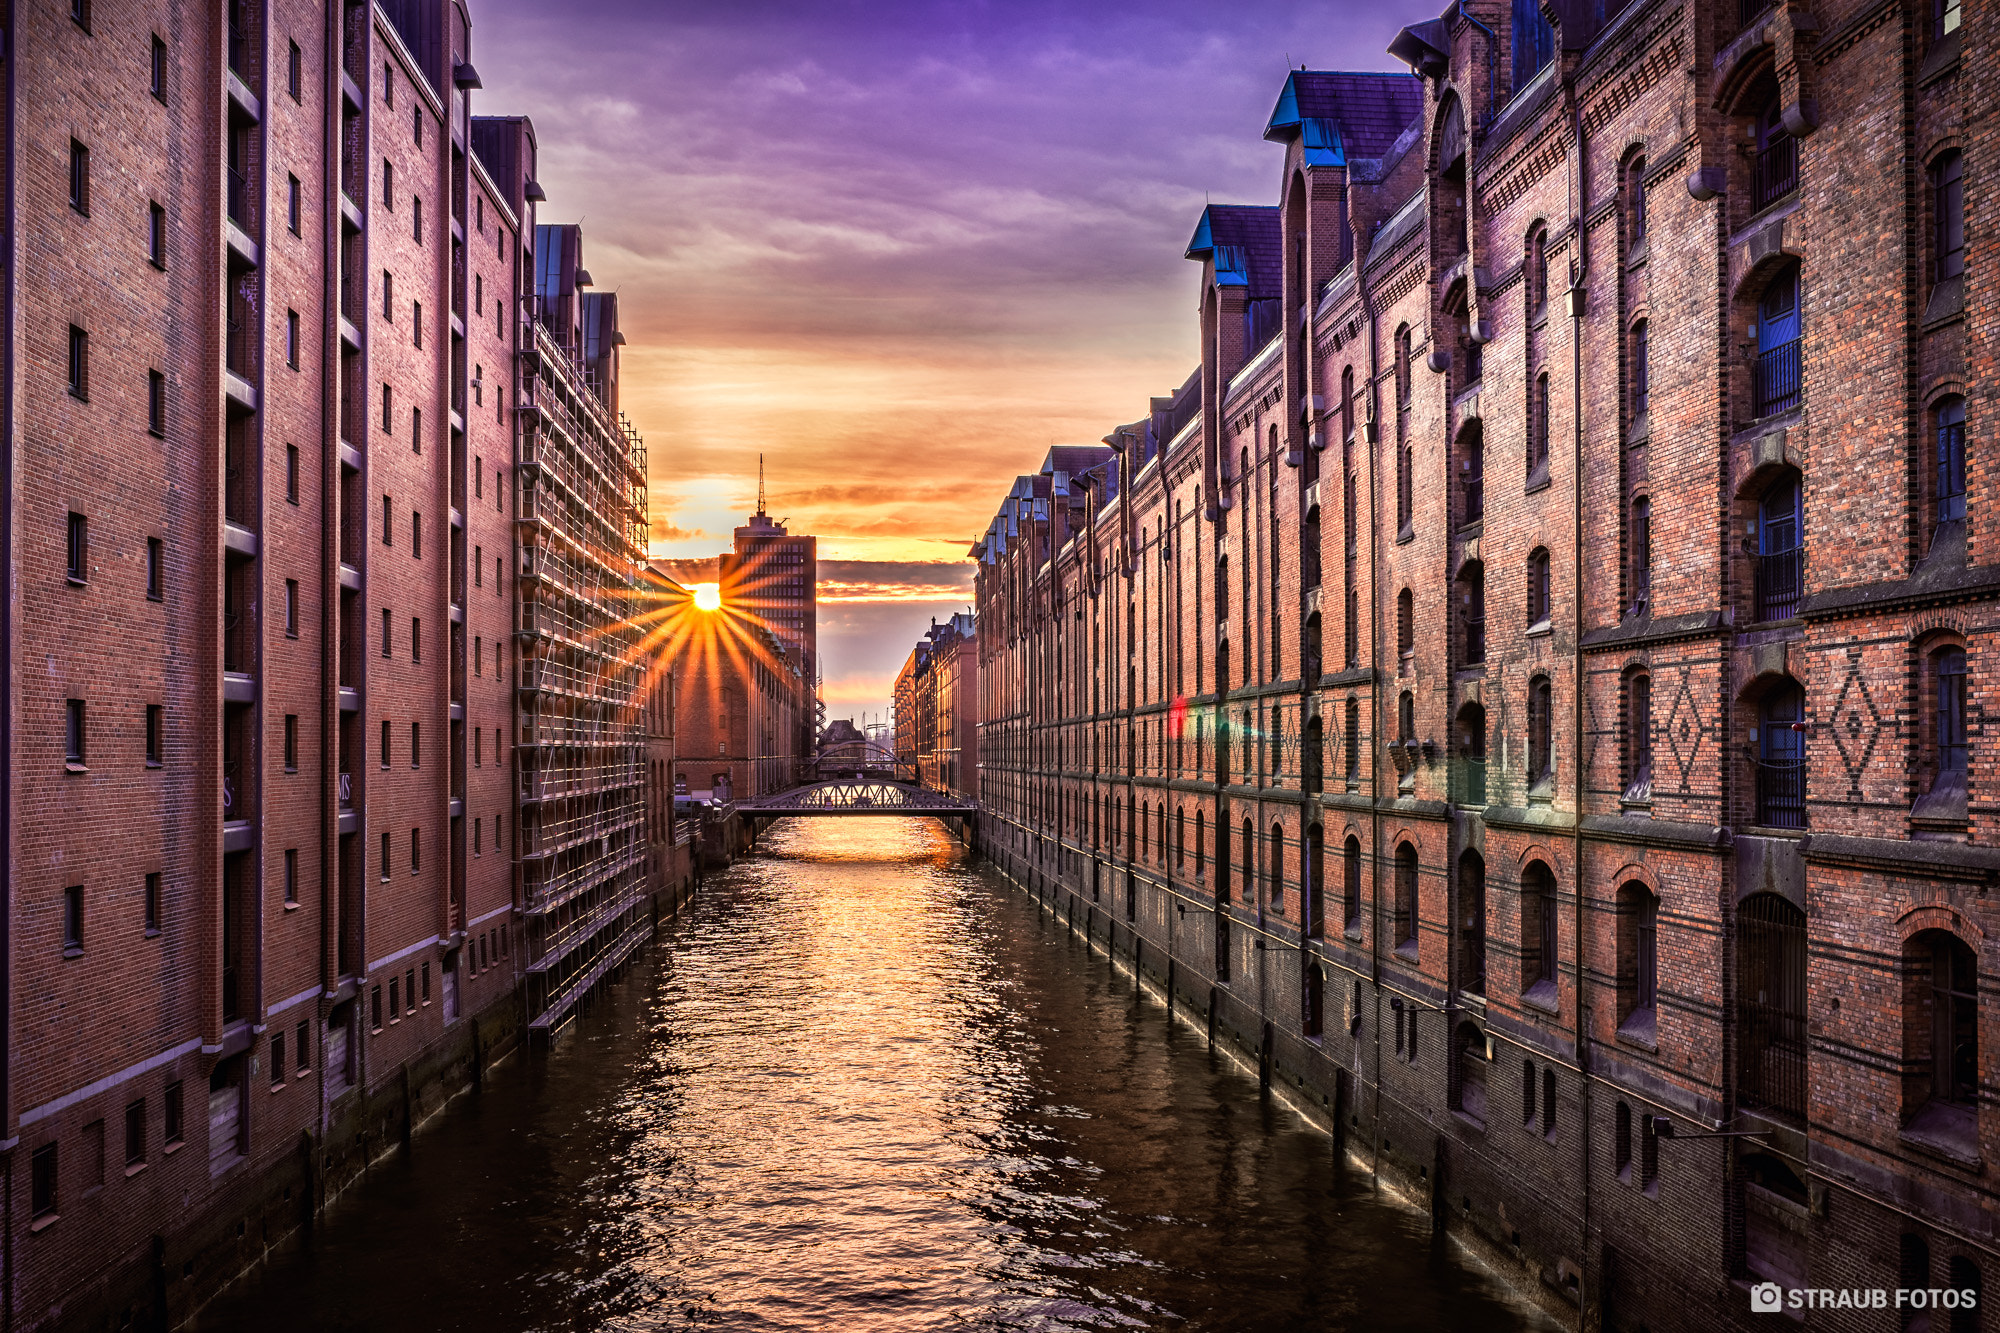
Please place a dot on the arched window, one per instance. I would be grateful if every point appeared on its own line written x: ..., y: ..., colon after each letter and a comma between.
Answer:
x: 1471, y: 473
x: 1314, y: 890
x: 1781, y: 549
x: 1642, y: 555
x: 1277, y: 859
x: 1314, y: 765
x: 1538, y: 271
x: 1777, y: 170
x: 1200, y: 842
x: 1941, y: 1037
x: 1313, y: 658
x: 1538, y: 428
x: 1222, y: 596
x: 1639, y: 737
x: 1406, y: 716
x: 1538, y: 932
x: 1471, y: 923
x: 1472, y: 754
x: 1180, y: 838
x: 1405, y: 923
x: 1948, y: 712
x: 1403, y: 367
x: 1781, y: 757
x: 1638, y: 958
x: 1964, y: 1276
x: 1538, y: 586
x: 1249, y: 840
x: 1949, y: 486
x: 1472, y: 612
x: 1347, y: 403
x: 1353, y: 741
x: 1469, y: 1079
x: 1778, y: 383
x: 1913, y: 1274
x: 1771, y: 1003
x: 1350, y: 884
x: 1541, y: 732
x: 1406, y: 625
x: 1533, y: 41
x: 1641, y: 370
x: 1948, y: 215
x: 1145, y: 832
x: 1309, y: 550
x: 1635, y: 199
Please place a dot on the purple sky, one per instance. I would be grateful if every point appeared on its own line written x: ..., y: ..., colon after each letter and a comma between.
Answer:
x: 899, y: 249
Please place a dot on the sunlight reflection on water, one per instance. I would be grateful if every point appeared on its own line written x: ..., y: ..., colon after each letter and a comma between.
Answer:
x: 866, y: 1085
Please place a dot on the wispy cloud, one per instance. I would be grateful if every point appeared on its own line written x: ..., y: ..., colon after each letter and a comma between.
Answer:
x: 899, y: 249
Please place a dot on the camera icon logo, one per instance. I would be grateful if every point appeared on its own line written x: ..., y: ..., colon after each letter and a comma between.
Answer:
x: 1766, y: 1298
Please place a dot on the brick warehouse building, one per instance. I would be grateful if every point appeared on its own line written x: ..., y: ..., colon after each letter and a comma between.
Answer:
x: 321, y: 518
x: 937, y: 707
x: 1527, y: 685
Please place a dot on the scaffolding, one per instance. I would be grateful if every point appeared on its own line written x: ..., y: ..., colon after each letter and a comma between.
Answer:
x: 579, y: 753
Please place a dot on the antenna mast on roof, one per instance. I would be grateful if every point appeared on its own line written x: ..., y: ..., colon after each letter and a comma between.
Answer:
x: 760, y: 483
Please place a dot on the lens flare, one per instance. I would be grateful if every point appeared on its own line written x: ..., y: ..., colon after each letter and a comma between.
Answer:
x: 708, y: 596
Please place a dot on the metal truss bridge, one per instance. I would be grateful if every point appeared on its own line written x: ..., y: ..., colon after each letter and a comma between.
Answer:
x: 852, y: 797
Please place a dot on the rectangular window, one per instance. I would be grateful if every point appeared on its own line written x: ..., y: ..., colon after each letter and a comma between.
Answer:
x: 478, y: 655
x: 135, y: 1133
x: 156, y: 735
x: 417, y: 217
x: 301, y: 1051
x: 292, y: 201
x: 79, y: 363
x: 416, y: 639
x: 416, y: 535
x: 79, y: 178
x: 77, y: 549
x: 295, y: 72
x: 416, y: 430
x: 174, y: 1130
x: 478, y: 566
x: 388, y: 527
x: 73, y: 733
x: 375, y: 1000
x: 417, y: 322
x: 478, y: 477
x: 388, y: 405
x: 410, y: 991
x: 478, y: 747
x: 416, y: 747
x: 291, y: 474
x: 426, y: 975
x: 156, y: 235
x: 292, y: 339
x: 157, y: 77
x: 42, y: 1182
x: 291, y: 742
x: 478, y: 837
x: 156, y: 403
x: 388, y: 183
x: 385, y: 880
x: 73, y: 919
x: 291, y: 872
x: 385, y: 631
x: 153, y: 903
x: 156, y: 569
x: 277, y: 1060
x: 416, y: 853
x: 291, y: 608
x: 385, y: 763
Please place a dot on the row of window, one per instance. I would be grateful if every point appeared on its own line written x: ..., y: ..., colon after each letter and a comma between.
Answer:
x: 44, y: 1171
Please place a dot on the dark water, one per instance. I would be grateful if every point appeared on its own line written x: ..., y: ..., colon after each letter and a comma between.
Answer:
x: 866, y: 1085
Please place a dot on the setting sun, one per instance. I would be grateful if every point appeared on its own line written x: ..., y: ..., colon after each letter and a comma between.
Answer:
x: 708, y: 596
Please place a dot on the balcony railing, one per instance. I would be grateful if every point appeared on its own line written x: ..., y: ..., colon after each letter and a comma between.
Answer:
x: 1777, y: 379
x: 1777, y: 171
x: 1780, y: 582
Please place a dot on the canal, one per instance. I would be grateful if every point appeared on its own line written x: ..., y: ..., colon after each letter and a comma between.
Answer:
x: 865, y: 1083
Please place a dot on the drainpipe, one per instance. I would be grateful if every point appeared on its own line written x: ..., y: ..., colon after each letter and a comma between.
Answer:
x: 1579, y: 270
x: 8, y: 373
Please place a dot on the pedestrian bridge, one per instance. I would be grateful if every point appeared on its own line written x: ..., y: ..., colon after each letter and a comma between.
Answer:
x: 857, y: 797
